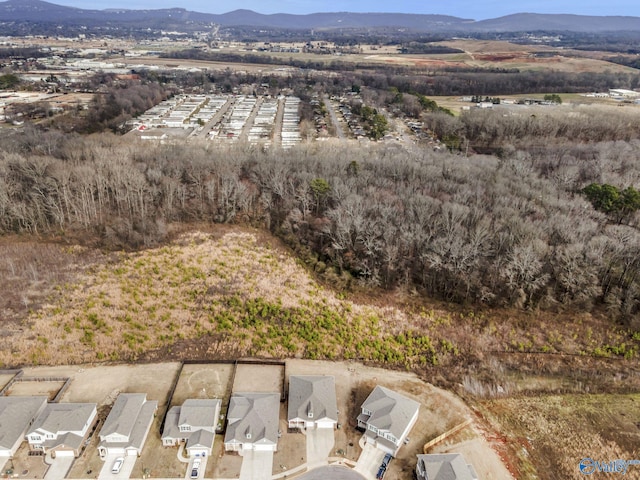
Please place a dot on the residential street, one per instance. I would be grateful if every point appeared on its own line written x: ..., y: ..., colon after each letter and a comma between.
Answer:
x: 334, y: 117
x: 332, y: 472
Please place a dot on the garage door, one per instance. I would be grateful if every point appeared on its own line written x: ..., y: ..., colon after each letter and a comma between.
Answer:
x: 198, y: 452
x: 264, y: 448
x: 325, y: 424
x: 62, y: 453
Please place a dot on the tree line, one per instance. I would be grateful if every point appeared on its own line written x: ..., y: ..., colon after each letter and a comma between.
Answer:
x: 512, y: 230
x: 439, y: 81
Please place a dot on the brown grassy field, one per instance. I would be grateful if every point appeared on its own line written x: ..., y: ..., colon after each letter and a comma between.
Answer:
x: 232, y: 291
x: 237, y: 291
x: 551, y: 434
x: 484, y: 54
x: 231, y: 295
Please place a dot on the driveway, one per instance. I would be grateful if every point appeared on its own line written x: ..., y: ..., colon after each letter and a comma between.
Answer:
x: 256, y: 465
x: 201, y: 469
x: 369, y: 461
x: 320, y: 442
x: 125, y: 471
x: 59, y: 468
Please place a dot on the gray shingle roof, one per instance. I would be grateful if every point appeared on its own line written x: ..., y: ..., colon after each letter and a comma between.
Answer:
x: 130, y: 416
x: 63, y: 417
x: 15, y: 415
x: 390, y: 411
x: 171, y: 429
x: 253, y: 415
x: 314, y: 394
x: 201, y: 438
x: 123, y: 414
x: 66, y: 441
x: 199, y: 412
x: 446, y: 466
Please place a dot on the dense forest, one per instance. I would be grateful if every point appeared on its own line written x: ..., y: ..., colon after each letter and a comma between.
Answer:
x: 516, y: 229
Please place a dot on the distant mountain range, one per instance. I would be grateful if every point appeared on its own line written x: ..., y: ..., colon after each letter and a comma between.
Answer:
x: 44, y: 12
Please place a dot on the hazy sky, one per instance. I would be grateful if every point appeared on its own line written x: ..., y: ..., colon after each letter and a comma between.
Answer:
x: 477, y: 10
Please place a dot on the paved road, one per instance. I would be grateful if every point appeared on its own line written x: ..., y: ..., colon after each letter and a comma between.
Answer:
x: 320, y: 442
x: 59, y: 468
x: 216, y: 118
x: 277, y: 129
x: 256, y: 465
x: 252, y: 116
x: 333, y: 117
x: 332, y: 472
x: 369, y: 461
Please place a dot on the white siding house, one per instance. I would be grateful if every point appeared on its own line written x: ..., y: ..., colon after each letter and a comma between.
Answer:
x: 16, y: 416
x: 445, y: 466
x: 312, y: 402
x: 194, y: 423
x: 61, y: 428
x: 387, y: 418
x: 252, y: 422
x: 126, y: 428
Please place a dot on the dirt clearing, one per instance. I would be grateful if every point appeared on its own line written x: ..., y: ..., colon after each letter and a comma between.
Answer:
x: 259, y: 378
x: 551, y: 434
x: 102, y: 384
x: 34, y: 387
x: 204, y: 381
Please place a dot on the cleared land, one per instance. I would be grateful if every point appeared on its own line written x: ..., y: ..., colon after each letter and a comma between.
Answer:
x: 235, y: 296
x: 204, y: 381
x: 551, y: 434
x: 499, y: 54
x: 569, y: 100
x: 235, y: 292
x: 91, y: 383
x: 258, y: 378
x: 485, y: 54
x: 32, y: 387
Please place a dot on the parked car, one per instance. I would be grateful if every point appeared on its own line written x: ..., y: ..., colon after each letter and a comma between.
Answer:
x: 383, y: 466
x: 195, y: 468
x: 117, y: 465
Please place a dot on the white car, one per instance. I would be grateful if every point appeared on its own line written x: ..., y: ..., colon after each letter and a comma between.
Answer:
x: 117, y: 465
